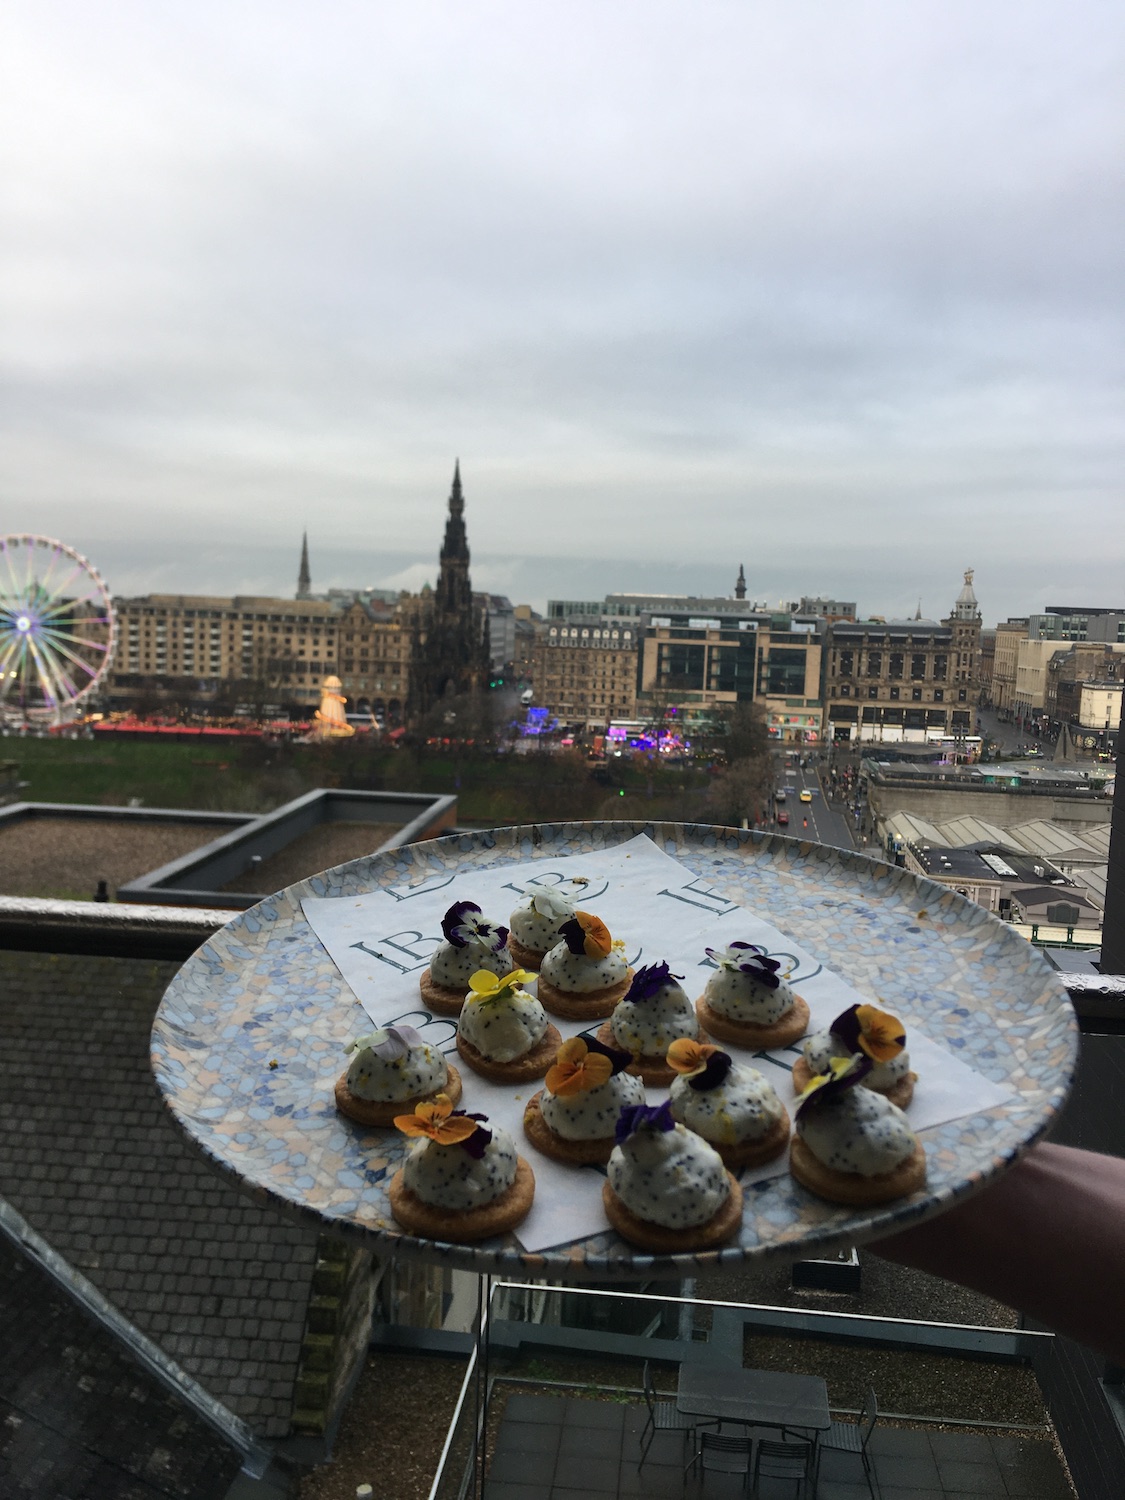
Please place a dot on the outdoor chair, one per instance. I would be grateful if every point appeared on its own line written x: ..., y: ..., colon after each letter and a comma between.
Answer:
x: 853, y: 1437
x: 721, y: 1453
x: 775, y: 1460
x: 662, y: 1417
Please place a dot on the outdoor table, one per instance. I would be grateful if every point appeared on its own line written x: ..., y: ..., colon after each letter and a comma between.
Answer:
x: 250, y: 1037
x: 758, y: 1398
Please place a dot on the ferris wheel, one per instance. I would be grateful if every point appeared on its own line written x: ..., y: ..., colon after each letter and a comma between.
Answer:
x: 57, y: 630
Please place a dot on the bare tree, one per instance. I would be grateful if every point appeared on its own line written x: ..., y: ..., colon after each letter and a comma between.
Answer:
x: 741, y: 791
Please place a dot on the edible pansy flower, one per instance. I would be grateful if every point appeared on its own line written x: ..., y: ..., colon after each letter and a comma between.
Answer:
x: 747, y: 958
x: 587, y: 934
x: 485, y: 986
x: 388, y: 1042
x: 619, y: 1059
x: 703, y: 1065
x: 475, y: 1144
x: 865, y: 1028
x: 843, y: 1073
x: 437, y: 1119
x: 550, y: 904
x: 634, y: 1117
x: 649, y: 980
x: 577, y: 1069
x: 463, y: 924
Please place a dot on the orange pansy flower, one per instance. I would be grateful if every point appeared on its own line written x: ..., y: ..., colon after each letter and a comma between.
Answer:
x: 881, y: 1035
x: 689, y: 1057
x: 435, y: 1118
x: 597, y: 940
x: 577, y: 1069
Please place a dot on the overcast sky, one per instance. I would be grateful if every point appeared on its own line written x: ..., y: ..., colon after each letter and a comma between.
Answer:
x: 833, y: 290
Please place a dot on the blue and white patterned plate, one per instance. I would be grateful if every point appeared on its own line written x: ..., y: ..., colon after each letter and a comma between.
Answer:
x: 249, y: 1039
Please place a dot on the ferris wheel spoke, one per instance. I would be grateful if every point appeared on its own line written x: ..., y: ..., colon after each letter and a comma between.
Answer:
x: 17, y: 589
x: 63, y: 683
x: 45, y: 576
x: 10, y: 650
x: 47, y: 682
x: 63, y: 650
x: 52, y: 681
x: 56, y: 635
x: 56, y: 603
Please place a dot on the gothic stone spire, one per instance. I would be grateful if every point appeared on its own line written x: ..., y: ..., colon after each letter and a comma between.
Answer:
x: 452, y: 659
x: 304, y: 577
x: 740, y: 586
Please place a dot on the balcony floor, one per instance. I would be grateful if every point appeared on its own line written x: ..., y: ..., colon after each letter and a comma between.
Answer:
x: 566, y: 1448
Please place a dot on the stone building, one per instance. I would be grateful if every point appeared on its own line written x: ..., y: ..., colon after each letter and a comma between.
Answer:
x: 199, y: 652
x: 1070, y: 670
x: 1006, y: 653
x: 375, y: 653
x: 585, y: 671
x: 451, y: 651
x: 195, y: 651
x: 702, y: 664
x: 904, y: 680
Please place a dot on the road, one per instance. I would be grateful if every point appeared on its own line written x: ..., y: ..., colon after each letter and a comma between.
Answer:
x: 822, y: 820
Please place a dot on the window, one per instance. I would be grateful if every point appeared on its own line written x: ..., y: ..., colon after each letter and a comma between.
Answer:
x: 1062, y: 914
x: 962, y: 694
x: 916, y: 694
x: 874, y: 663
x: 917, y: 665
x: 941, y: 668
x: 894, y: 695
x: 680, y: 664
x: 896, y: 663
x: 939, y: 695
x: 872, y: 692
x: 845, y: 691
x: 847, y: 663
x: 784, y: 672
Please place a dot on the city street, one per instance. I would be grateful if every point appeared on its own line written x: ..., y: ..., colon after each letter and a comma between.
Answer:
x: 828, y: 821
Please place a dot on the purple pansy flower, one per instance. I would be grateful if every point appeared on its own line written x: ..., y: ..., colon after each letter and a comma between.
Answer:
x: 573, y: 935
x: 476, y: 1144
x: 634, y: 1117
x: 747, y: 958
x: 463, y: 924
x: 619, y: 1060
x: 718, y: 1066
x: 649, y: 980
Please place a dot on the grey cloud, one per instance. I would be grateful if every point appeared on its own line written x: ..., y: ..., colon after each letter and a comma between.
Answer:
x: 844, y: 283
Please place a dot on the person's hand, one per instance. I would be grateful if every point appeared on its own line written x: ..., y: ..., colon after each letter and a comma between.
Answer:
x: 1047, y: 1238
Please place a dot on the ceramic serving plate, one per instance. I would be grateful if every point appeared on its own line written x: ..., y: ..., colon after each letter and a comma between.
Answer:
x: 249, y: 1037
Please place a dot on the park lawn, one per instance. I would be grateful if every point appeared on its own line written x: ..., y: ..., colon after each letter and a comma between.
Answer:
x: 251, y: 777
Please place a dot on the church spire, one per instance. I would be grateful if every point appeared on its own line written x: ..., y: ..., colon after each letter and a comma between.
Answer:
x: 304, y: 577
x: 455, y: 548
x: 740, y: 585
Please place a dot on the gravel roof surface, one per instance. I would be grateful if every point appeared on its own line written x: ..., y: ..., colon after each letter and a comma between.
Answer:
x: 66, y: 857
x: 392, y: 1433
x: 319, y: 848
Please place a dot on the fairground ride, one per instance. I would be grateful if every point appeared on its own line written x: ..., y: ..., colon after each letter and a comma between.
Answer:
x: 57, y: 631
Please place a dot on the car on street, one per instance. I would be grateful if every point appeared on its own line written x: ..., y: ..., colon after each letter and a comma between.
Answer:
x: 782, y: 819
x: 779, y: 795
x: 806, y: 795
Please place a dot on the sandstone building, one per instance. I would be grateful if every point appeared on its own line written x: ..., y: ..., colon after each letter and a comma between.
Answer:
x: 585, y: 670
x: 904, y: 680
